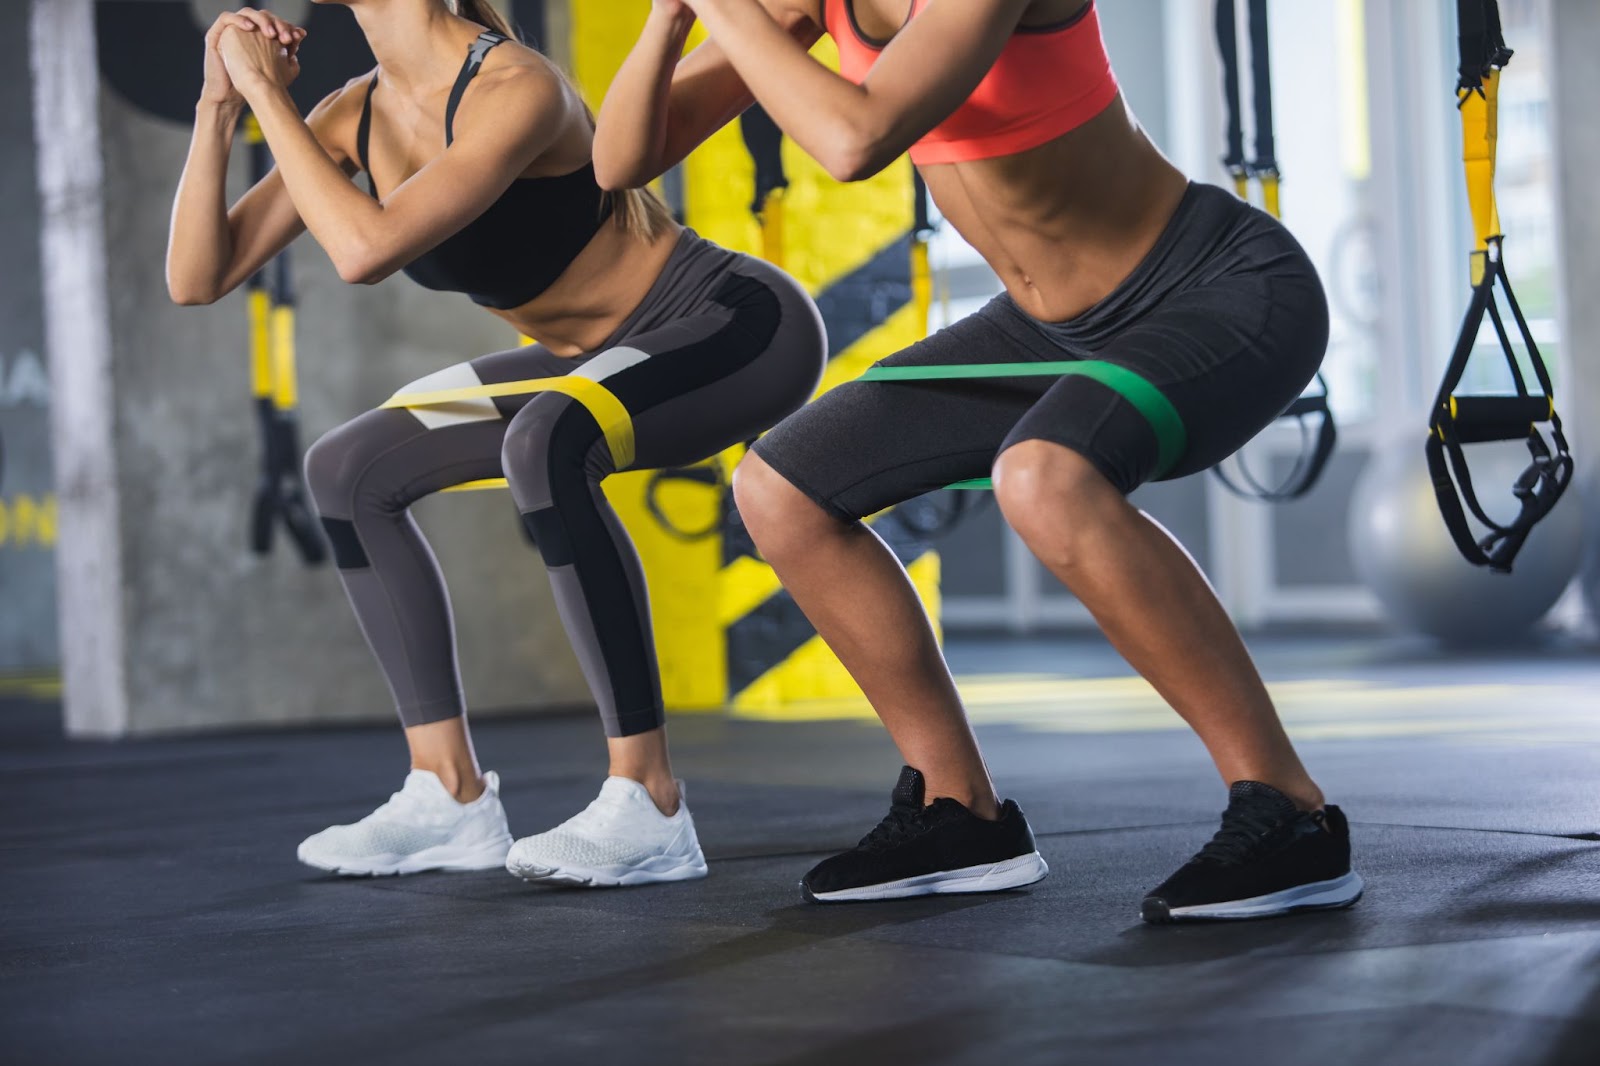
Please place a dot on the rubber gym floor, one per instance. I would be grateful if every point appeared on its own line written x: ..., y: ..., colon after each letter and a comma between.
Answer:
x: 154, y: 911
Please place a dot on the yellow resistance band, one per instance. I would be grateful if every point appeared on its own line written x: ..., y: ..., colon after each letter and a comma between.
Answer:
x: 1480, y: 114
x: 601, y: 403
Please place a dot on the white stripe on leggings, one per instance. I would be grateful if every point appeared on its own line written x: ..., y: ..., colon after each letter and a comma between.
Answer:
x: 609, y: 362
x: 460, y: 376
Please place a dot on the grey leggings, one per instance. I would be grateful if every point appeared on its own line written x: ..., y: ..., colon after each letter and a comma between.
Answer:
x: 722, y: 348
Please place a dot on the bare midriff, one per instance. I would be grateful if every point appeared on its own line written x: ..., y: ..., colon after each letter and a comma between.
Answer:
x: 1064, y: 223
x: 596, y: 293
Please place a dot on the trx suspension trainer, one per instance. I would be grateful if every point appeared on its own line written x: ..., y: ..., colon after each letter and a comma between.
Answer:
x: 1314, y: 454
x: 280, y: 495
x: 1456, y: 419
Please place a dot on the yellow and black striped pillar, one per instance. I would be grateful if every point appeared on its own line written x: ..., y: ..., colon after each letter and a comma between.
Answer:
x: 726, y: 632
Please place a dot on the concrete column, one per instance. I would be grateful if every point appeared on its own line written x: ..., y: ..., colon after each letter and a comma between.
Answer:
x: 78, y: 339
x: 1575, y: 42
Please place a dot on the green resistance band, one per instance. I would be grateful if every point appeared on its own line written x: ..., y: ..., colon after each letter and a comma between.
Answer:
x: 1171, y: 438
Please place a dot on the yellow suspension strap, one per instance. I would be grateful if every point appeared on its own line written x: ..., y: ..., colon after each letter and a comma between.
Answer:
x: 1264, y: 167
x: 1228, y: 46
x: 1456, y: 419
x: 1315, y: 449
x: 280, y: 496
x: 602, y: 404
x: 764, y: 141
x: 922, y: 231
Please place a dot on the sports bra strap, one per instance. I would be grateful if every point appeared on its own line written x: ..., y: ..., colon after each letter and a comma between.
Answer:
x: 469, y: 70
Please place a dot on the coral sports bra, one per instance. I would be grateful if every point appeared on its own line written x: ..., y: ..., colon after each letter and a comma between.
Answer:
x: 1048, y: 81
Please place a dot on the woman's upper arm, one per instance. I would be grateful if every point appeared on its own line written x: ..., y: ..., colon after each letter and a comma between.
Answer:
x: 511, y: 117
x: 934, y: 64
x: 264, y: 221
x: 707, y: 93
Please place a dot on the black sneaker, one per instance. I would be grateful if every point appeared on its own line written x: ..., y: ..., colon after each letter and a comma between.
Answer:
x: 932, y: 850
x: 1268, y: 858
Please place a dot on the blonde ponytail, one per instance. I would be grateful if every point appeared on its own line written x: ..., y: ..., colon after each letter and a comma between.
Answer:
x: 640, y: 213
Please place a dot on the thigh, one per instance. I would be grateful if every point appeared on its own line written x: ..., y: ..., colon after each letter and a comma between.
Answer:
x: 391, y: 458
x: 722, y: 376
x: 527, y: 363
x: 1229, y: 357
x: 748, y: 355
x: 867, y: 445
x: 385, y: 460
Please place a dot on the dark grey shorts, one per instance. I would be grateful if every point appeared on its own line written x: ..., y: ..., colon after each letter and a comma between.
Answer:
x: 1225, y: 317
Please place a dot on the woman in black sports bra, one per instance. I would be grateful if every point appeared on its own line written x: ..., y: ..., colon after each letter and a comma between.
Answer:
x: 659, y: 349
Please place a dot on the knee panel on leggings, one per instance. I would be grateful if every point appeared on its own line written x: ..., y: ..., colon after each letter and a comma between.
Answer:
x: 333, y: 468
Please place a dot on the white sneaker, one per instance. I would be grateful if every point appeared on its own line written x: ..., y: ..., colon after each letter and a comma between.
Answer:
x: 621, y: 838
x: 422, y: 827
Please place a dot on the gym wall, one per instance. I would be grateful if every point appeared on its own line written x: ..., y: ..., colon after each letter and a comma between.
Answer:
x: 176, y: 624
x: 27, y: 503
x: 1575, y: 37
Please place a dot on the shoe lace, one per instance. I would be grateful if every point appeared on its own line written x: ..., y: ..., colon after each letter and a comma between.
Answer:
x: 1244, y: 832
x: 898, y: 826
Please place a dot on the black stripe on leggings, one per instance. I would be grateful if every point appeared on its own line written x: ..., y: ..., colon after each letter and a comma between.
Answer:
x: 571, y: 532
x: 348, y: 554
x: 546, y: 532
x: 572, y: 527
x: 756, y: 314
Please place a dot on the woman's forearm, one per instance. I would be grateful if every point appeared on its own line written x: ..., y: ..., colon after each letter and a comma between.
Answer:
x: 200, y: 242
x: 630, y: 144
x: 344, y: 220
x: 822, y: 112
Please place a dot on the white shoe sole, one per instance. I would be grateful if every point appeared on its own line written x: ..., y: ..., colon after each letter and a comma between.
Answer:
x: 1319, y: 895
x: 656, y: 869
x: 447, y: 857
x: 988, y: 877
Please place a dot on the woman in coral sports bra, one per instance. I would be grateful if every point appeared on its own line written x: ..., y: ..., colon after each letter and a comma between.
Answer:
x: 1188, y: 320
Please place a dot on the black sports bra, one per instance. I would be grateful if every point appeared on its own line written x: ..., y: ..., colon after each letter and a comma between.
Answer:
x: 524, y: 240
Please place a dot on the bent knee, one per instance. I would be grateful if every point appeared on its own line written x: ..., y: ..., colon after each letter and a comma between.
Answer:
x: 1038, y: 483
x: 778, y: 515
x: 540, y: 433
x: 335, y: 462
